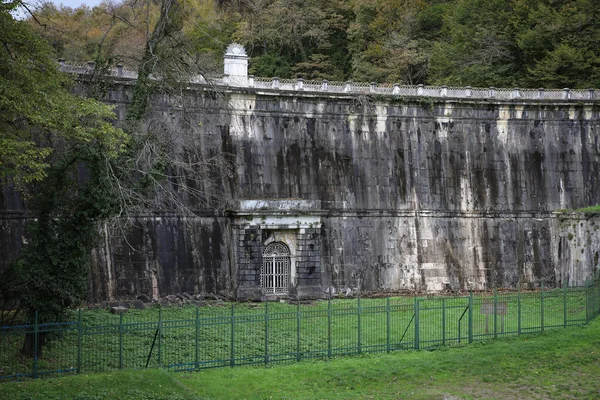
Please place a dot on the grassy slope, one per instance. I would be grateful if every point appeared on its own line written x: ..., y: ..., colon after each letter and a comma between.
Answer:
x: 560, y: 364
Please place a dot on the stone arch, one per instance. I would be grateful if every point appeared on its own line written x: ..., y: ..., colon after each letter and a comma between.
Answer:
x: 276, y: 271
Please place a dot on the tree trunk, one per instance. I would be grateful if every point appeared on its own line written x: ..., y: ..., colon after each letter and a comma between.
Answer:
x: 29, y: 344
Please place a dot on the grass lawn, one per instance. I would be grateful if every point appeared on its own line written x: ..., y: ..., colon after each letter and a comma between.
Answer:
x: 560, y: 364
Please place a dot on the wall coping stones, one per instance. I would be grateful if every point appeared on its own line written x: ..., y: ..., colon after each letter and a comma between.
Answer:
x: 300, y: 85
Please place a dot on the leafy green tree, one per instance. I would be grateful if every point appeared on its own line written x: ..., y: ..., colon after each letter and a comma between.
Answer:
x: 391, y: 41
x: 477, y: 46
x: 297, y: 38
x: 35, y: 101
x: 57, y: 145
x: 96, y: 172
x: 210, y: 30
x: 558, y: 42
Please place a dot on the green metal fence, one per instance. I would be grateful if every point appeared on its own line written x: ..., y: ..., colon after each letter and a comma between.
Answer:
x: 189, y: 338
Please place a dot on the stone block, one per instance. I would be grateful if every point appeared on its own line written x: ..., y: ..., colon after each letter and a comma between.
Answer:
x: 144, y: 298
x: 250, y: 294
x: 139, y: 305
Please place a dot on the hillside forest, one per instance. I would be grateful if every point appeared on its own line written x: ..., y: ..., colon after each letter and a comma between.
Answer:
x: 480, y: 43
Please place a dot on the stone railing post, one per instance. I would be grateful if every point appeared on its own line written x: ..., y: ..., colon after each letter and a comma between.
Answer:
x: 468, y: 92
x: 541, y: 93
x: 444, y: 91
x: 373, y: 87
x: 420, y: 90
x: 591, y: 94
x: 492, y: 92
x: 91, y: 65
x: 396, y: 90
x: 324, y: 85
x: 119, y: 69
x: 275, y: 83
x: 300, y: 84
x: 566, y: 93
x: 516, y: 93
x: 347, y: 86
x: 250, y: 80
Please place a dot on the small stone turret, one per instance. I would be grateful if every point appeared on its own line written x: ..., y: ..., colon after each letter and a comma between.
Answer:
x: 236, y: 61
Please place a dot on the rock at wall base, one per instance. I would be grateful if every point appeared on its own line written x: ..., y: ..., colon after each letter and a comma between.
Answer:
x: 139, y: 305
x: 118, y: 310
x: 144, y: 298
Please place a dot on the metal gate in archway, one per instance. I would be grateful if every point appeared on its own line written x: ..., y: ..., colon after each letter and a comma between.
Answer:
x: 275, y: 271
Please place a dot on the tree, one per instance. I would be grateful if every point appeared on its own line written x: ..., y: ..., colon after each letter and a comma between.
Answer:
x: 53, y: 144
x: 297, y: 38
x: 558, y: 42
x: 97, y: 172
x: 391, y: 41
x: 35, y: 100
x: 477, y: 46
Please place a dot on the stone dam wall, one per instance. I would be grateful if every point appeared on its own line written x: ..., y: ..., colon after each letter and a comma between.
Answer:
x: 367, y: 193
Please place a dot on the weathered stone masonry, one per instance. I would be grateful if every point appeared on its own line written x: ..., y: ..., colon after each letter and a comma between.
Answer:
x: 296, y: 224
x: 392, y: 193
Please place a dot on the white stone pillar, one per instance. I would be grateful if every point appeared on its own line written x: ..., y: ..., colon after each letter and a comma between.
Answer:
x: 235, y: 61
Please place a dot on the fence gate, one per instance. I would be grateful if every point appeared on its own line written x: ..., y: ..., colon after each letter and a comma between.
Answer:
x: 275, y: 271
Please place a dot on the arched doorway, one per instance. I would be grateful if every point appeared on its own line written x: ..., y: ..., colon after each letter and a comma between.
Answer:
x: 275, y: 270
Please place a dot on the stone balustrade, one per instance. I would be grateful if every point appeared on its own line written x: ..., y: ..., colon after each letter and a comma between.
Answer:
x: 386, y: 89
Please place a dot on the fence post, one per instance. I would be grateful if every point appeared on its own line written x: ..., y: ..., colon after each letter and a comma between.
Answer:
x: 542, y: 306
x: 565, y: 303
x: 587, y: 302
x: 470, y: 317
x: 596, y: 304
x: 120, y: 341
x: 159, y: 337
x: 232, y: 354
x: 266, y: 333
x: 416, y: 307
x: 329, y: 327
x: 596, y: 283
x: 298, y: 316
x: 592, y: 300
x: 36, y: 331
x: 359, y: 312
x: 443, y: 321
x: 519, y: 311
x: 79, y: 333
x: 197, y: 354
x: 387, y: 324
x: 495, y: 314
